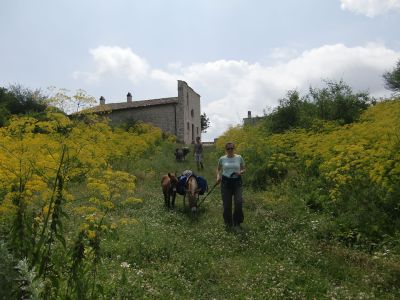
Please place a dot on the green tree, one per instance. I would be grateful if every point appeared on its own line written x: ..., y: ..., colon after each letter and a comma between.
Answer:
x: 5, y: 100
x: 334, y: 102
x: 26, y: 100
x: 392, y: 79
x: 293, y: 111
x: 287, y: 114
x: 337, y: 102
x: 17, y: 100
x: 205, y: 122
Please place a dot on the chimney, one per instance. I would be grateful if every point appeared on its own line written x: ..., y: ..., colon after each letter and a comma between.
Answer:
x: 129, y: 97
x: 249, y: 114
x: 102, y: 100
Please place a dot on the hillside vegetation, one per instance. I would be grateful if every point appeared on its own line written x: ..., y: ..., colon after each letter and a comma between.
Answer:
x: 82, y: 215
x: 348, y: 173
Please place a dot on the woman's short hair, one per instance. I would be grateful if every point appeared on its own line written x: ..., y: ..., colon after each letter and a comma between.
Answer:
x: 229, y: 144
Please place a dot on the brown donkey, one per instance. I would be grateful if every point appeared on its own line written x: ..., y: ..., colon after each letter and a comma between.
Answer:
x: 192, y: 190
x: 168, y: 185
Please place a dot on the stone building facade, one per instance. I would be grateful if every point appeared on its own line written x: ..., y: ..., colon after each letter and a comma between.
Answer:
x: 252, y: 120
x: 175, y: 115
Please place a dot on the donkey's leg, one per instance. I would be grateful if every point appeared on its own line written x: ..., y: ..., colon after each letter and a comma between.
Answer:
x: 169, y: 200
x: 194, y: 201
x: 166, y: 200
x: 173, y: 196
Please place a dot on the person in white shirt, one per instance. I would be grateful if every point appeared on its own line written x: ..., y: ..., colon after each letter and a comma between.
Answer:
x: 229, y: 173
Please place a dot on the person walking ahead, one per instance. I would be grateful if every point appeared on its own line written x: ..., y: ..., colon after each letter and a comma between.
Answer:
x: 229, y: 173
x: 198, y: 153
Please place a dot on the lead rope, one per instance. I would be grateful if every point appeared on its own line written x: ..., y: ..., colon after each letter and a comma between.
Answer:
x: 202, y: 200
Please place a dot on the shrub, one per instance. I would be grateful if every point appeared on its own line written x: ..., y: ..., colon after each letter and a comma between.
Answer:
x: 356, y: 166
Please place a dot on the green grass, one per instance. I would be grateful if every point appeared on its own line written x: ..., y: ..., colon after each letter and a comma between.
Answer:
x: 175, y: 255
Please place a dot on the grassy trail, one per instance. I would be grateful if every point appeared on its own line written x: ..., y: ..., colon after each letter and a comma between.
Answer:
x: 173, y: 255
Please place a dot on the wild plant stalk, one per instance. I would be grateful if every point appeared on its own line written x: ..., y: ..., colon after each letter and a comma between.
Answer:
x: 77, y: 277
x: 55, y: 212
x: 55, y: 226
x: 19, y: 230
x: 95, y: 243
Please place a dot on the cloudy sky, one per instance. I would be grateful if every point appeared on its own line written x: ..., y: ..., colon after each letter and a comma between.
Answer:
x: 239, y: 55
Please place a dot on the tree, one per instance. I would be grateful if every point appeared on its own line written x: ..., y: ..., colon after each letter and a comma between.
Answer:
x: 205, y: 122
x: 334, y: 102
x: 338, y: 102
x: 286, y: 115
x: 5, y: 100
x: 17, y: 100
x: 392, y: 79
x: 62, y: 100
x: 26, y: 101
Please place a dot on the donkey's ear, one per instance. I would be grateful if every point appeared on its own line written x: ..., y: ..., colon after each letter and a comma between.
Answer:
x: 169, y: 174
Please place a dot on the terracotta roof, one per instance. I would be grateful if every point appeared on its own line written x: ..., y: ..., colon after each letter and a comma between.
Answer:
x: 133, y: 104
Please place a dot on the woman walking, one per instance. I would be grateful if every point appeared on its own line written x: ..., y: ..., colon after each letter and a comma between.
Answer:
x: 229, y: 173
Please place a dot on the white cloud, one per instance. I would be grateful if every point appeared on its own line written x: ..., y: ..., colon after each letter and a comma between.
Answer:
x: 371, y: 8
x: 115, y: 61
x: 230, y: 88
x: 279, y: 54
x: 168, y: 80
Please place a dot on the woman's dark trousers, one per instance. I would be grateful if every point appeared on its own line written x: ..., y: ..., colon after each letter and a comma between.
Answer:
x: 231, y: 191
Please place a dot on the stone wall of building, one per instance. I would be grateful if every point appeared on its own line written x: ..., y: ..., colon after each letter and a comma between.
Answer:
x: 189, y: 123
x: 252, y: 120
x: 162, y: 116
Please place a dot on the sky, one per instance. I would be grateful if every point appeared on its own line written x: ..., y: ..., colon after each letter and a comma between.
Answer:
x: 239, y: 55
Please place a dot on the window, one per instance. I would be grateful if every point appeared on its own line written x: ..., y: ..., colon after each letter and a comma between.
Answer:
x: 192, y: 113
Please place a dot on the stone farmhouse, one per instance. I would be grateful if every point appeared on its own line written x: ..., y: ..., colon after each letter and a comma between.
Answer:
x: 175, y: 115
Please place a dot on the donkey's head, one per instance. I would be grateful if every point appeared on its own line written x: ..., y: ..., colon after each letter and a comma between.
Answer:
x: 173, y: 181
